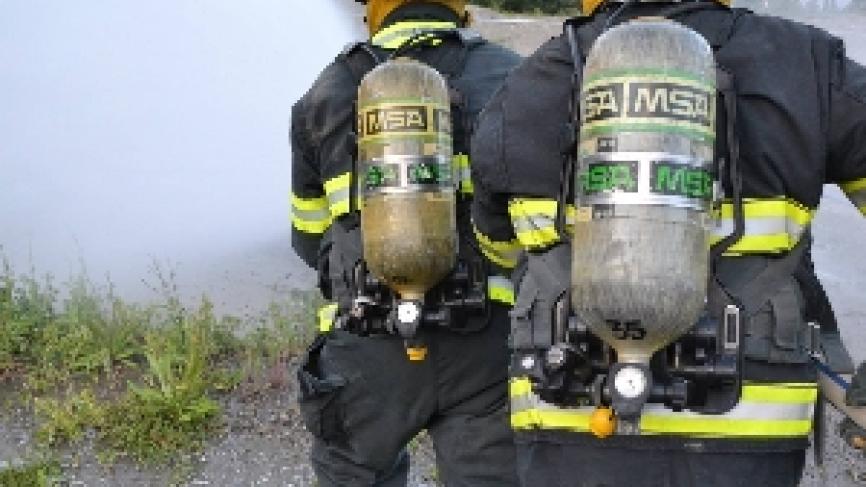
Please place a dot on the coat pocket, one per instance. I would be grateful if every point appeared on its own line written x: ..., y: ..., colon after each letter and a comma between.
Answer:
x: 319, y: 396
x: 778, y: 333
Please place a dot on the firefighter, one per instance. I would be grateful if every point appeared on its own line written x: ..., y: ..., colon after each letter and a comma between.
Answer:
x: 366, y: 392
x: 790, y: 117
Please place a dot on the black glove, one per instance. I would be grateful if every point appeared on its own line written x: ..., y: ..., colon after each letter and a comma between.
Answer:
x: 541, y: 280
x: 851, y: 432
x: 856, y: 395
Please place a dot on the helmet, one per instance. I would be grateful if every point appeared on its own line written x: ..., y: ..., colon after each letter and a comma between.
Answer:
x: 588, y: 7
x: 378, y: 10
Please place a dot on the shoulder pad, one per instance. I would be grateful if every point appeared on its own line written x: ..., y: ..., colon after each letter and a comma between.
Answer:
x: 350, y: 48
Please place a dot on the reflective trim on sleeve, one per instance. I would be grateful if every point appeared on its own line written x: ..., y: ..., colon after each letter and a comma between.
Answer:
x: 773, y: 226
x: 327, y: 314
x: 338, y: 191
x: 503, y: 254
x: 856, y: 192
x: 396, y: 35
x: 500, y: 288
x: 463, y: 171
x: 310, y: 215
x: 534, y: 222
x: 765, y: 411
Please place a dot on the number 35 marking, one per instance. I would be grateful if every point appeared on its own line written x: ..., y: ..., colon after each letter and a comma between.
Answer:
x: 627, y: 330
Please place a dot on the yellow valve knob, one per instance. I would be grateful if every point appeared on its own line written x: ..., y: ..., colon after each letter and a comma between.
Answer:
x: 416, y: 354
x: 602, y: 423
x: 858, y: 442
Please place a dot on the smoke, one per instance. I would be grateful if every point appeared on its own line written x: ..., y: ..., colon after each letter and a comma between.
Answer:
x: 141, y: 132
x: 798, y: 9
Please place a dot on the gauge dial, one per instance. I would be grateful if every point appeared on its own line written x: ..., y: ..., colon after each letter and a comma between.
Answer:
x: 630, y: 382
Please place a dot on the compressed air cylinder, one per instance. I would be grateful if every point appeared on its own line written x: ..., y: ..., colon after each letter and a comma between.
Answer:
x: 644, y: 186
x: 408, y: 215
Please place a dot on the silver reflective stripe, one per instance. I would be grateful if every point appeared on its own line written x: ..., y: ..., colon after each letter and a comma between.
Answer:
x: 500, y: 282
x: 532, y: 223
x: 531, y: 401
x: 311, y: 215
x: 756, y: 226
x: 743, y: 410
x: 337, y: 197
x: 500, y: 288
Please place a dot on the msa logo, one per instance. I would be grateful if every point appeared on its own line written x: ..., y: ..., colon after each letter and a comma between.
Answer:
x: 402, y: 119
x: 395, y: 119
x: 673, y: 179
x: 649, y: 99
x: 603, y: 103
x: 668, y: 100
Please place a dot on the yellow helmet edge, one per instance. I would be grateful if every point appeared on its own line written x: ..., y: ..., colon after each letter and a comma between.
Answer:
x: 378, y: 10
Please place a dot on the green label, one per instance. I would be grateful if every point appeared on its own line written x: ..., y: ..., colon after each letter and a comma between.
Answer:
x: 382, y: 176
x: 407, y: 172
x: 429, y: 173
x: 673, y: 179
x: 610, y: 176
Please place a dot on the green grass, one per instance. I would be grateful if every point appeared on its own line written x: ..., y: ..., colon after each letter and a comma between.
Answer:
x: 145, y: 379
x: 39, y: 474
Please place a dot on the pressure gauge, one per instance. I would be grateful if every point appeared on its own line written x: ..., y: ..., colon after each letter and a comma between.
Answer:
x: 408, y: 312
x: 630, y: 382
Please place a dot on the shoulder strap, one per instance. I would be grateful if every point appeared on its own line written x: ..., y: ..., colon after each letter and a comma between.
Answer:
x: 360, y: 58
x: 568, y: 137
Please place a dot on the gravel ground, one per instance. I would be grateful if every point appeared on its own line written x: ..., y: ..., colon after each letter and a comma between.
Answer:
x: 264, y: 443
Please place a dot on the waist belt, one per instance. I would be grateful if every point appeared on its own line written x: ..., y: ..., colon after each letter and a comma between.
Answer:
x: 499, y: 290
x: 765, y: 410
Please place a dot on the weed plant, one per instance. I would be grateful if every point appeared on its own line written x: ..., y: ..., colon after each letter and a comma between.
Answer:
x: 144, y: 379
x: 38, y: 474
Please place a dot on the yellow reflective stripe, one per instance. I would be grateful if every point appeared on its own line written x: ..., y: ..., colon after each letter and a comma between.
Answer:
x: 309, y: 204
x: 343, y: 181
x: 855, y: 185
x: 519, y: 387
x: 805, y: 393
x: 771, y: 208
x: 396, y: 35
x: 764, y: 411
x: 338, y: 191
x: 503, y: 254
x: 534, y: 222
x: 316, y: 227
x: 560, y: 420
x: 464, y: 173
x: 310, y: 215
x: 721, y: 427
x: 772, y: 225
x: 856, y: 192
x: 499, y: 288
x: 327, y: 314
